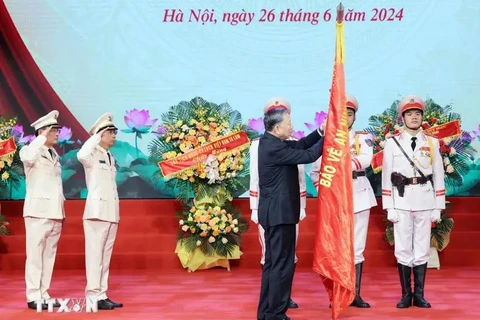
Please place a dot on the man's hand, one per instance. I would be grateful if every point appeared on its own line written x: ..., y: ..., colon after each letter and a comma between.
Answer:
x: 392, y: 215
x: 435, y: 215
x: 46, y: 131
x: 254, y: 216
x: 303, y: 214
x: 323, y: 126
x: 101, y: 133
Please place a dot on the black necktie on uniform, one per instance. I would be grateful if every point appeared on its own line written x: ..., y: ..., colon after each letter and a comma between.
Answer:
x: 51, y: 153
x: 109, y: 158
x: 414, y: 144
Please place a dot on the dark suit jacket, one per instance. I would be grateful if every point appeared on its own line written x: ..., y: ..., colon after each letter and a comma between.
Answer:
x: 279, y: 201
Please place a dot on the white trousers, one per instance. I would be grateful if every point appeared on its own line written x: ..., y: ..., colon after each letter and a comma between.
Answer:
x: 261, y: 238
x: 99, y: 239
x: 412, y: 237
x: 360, y: 225
x: 42, y: 237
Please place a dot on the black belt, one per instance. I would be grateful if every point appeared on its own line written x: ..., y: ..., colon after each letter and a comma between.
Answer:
x: 356, y: 174
x: 418, y: 180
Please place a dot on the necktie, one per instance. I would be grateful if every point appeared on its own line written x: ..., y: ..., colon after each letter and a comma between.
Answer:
x: 414, y: 144
x: 51, y: 153
x: 109, y: 159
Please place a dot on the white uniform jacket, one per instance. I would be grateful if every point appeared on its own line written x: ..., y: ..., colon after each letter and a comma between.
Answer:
x: 362, y: 152
x: 428, y: 159
x: 43, y: 175
x: 100, y: 173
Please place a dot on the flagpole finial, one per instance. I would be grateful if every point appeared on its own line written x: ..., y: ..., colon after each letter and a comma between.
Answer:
x: 340, y: 13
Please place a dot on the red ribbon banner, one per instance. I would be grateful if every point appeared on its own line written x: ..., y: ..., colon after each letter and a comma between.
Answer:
x: 7, y: 147
x: 200, y: 154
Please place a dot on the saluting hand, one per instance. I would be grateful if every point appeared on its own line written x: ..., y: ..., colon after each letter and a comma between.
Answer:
x: 46, y: 131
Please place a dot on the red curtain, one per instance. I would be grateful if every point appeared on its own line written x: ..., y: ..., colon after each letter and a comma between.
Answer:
x: 24, y: 90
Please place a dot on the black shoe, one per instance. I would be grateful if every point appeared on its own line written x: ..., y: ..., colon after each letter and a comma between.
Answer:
x: 56, y: 304
x: 405, y: 273
x: 104, y: 305
x: 419, y: 284
x: 33, y: 305
x: 114, y: 304
x: 358, y: 301
x: 292, y: 304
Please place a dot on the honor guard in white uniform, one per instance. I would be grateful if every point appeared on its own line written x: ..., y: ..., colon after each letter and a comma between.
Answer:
x: 43, y: 209
x: 254, y: 187
x: 363, y: 195
x: 101, y: 216
x: 413, y: 193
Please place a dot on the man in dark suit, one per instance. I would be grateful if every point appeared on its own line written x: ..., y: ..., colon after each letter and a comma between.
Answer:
x: 279, y: 204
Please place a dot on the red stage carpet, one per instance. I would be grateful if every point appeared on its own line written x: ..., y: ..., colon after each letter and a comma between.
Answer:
x: 148, y: 278
x: 220, y: 295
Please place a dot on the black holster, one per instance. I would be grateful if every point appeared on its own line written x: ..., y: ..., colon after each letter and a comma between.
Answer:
x: 398, y: 181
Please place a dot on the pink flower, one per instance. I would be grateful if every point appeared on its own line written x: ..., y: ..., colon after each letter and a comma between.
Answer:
x: 17, y: 133
x: 319, y: 119
x: 256, y: 124
x: 64, y: 136
x: 298, y: 134
x: 138, y: 121
x: 160, y: 131
x: 476, y: 133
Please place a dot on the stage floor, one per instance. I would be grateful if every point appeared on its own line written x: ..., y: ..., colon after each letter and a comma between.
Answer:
x: 217, y: 294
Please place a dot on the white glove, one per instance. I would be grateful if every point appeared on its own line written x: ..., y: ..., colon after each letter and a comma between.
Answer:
x: 392, y: 215
x: 254, y: 216
x: 303, y: 214
x: 435, y: 215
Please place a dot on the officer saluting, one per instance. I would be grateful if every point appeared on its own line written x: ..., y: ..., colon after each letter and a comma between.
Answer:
x: 363, y: 195
x: 254, y: 187
x: 101, y: 215
x: 413, y: 193
x: 43, y: 208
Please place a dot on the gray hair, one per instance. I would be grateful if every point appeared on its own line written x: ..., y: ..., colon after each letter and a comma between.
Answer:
x: 273, y: 117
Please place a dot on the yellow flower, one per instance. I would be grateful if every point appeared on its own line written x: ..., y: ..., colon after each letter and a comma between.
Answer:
x: 223, y: 167
x: 179, y: 123
x: 181, y: 136
x: 192, y: 132
x: 206, y: 128
x: 203, y: 175
x: 5, y: 176
x: 217, y: 208
x: 189, y: 172
x: 201, y: 139
x: 2, y: 164
x: 203, y: 226
x: 193, y: 122
x: 168, y: 139
x: 190, y: 219
x: 211, y: 119
x: 225, y: 124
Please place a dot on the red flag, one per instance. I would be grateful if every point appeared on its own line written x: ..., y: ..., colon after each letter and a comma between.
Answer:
x: 333, y: 253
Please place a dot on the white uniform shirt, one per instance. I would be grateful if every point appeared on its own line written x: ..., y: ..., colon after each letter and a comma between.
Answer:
x: 428, y: 159
x: 100, y: 173
x: 43, y: 175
